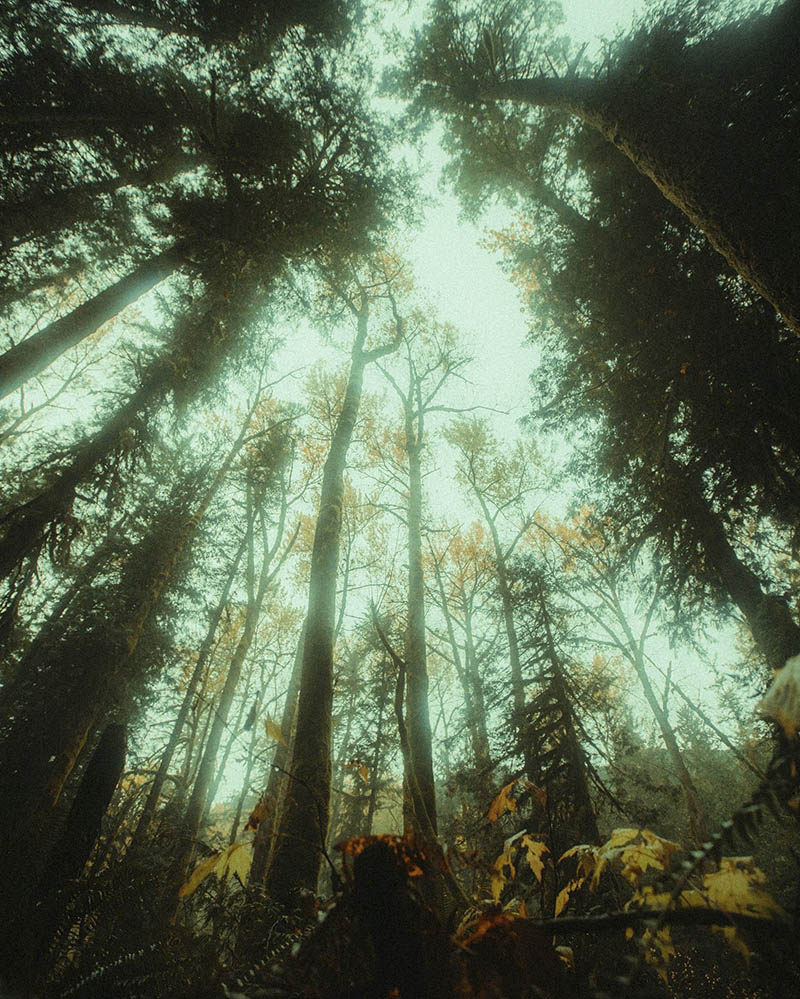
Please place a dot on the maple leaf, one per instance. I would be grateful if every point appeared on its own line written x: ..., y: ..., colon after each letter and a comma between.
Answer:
x: 503, y: 802
x: 535, y: 849
x: 235, y: 860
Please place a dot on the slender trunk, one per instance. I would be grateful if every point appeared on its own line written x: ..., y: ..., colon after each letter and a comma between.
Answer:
x: 376, y: 761
x: 31, y: 356
x: 154, y: 794
x: 275, y: 790
x: 418, y: 719
x: 339, y: 772
x: 515, y: 663
x: 698, y: 825
x: 303, y: 828
x: 475, y: 684
x: 634, y: 653
x: 248, y: 773
x: 82, y: 827
x: 219, y: 768
x: 190, y: 823
x: 475, y: 716
x: 28, y: 525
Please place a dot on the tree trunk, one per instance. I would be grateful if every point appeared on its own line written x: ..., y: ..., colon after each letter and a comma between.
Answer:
x: 768, y: 617
x: 40, y: 752
x: 190, y: 824
x: 698, y: 825
x: 515, y: 664
x: 219, y: 767
x: 303, y: 827
x: 82, y: 827
x: 248, y: 772
x: 475, y: 683
x: 275, y: 791
x: 31, y: 356
x: 377, y: 758
x: 474, y: 708
x: 150, y: 805
x: 418, y: 721
x: 25, y: 953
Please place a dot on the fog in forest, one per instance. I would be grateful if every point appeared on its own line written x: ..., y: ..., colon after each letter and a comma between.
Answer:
x: 399, y: 499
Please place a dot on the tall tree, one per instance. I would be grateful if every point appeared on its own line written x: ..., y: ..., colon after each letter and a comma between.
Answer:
x: 95, y: 665
x: 501, y: 483
x: 257, y: 586
x: 589, y: 550
x: 432, y: 358
x: 303, y: 826
x: 681, y: 75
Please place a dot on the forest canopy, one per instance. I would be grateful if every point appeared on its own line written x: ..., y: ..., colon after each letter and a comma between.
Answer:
x: 326, y: 671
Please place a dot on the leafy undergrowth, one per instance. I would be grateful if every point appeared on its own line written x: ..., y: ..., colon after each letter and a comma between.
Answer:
x: 633, y: 916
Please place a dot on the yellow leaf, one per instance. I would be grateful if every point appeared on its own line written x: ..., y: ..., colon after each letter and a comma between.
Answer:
x: 619, y: 837
x: 587, y: 857
x: 782, y: 699
x: 735, y: 887
x: 239, y: 859
x: 499, y: 877
x: 535, y: 850
x: 200, y: 873
x: 503, y: 802
x: 563, y: 896
x: 235, y: 860
x: 274, y: 730
x: 567, y: 956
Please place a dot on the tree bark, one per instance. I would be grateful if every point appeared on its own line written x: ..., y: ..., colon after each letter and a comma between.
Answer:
x: 82, y: 827
x: 768, y: 617
x: 506, y: 600
x: 40, y: 752
x: 303, y: 828
x: 473, y: 697
x: 25, y: 954
x: 33, y: 355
